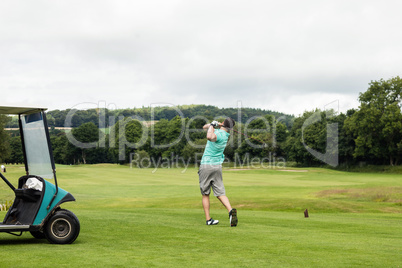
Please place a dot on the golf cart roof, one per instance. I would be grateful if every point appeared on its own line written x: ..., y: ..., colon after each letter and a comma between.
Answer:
x: 20, y: 110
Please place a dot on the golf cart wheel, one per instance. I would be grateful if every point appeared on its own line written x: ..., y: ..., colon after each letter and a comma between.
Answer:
x: 62, y: 228
x: 38, y: 234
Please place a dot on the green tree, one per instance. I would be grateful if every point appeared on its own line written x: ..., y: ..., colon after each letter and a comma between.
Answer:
x: 142, y: 160
x: 86, y: 133
x: 305, y: 138
x: 168, y: 137
x: 16, y: 155
x: 193, y: 152
x: 134, y: 131
x: 346, y: 143
x: 128, y: 136
x: 377, y: 126
x: 294, y: 143
x: 4, y: 139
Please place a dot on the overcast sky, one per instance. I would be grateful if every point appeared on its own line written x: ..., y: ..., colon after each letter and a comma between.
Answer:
x: 287, y: 56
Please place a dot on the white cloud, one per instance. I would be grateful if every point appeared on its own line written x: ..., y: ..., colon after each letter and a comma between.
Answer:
x: 288, y: 56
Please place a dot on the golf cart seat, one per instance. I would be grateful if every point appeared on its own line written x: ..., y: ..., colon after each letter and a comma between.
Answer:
x: 25, y: 193
x: 30, y: 195
x: 26, y: 203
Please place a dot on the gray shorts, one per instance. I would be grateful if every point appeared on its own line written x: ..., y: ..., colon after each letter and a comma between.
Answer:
x: 211, y: 176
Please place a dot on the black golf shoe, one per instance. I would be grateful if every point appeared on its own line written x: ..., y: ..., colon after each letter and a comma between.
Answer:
x: 233, y: 217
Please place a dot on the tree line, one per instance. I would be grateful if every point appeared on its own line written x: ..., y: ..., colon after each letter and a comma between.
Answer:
x: 372, y: 133
x: 57, y: 118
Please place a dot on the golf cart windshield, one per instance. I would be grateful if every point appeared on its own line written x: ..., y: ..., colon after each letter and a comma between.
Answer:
x: 36, y: 145
x: 35, y: 140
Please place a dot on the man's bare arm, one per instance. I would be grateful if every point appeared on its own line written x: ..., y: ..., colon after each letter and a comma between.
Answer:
x: 211, y: 136
x: 206, y: 126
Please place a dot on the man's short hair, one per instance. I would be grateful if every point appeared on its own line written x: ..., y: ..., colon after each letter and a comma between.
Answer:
x: 228, y: 123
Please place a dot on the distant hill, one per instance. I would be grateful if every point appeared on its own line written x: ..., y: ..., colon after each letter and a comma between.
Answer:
x: 56, y: 118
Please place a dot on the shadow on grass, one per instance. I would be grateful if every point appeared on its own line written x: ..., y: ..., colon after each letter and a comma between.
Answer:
x: 31, y: 241
x: 21, y: 241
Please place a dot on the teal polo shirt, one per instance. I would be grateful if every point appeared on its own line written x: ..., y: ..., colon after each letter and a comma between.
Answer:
x: 213, y: 153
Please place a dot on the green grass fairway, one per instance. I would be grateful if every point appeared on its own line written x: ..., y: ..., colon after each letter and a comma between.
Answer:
x: 154, y: 218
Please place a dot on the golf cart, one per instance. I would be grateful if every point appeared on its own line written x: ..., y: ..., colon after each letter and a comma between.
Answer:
x: 36, y: 206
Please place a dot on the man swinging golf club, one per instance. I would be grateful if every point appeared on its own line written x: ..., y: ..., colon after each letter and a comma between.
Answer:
x: 210, y: 172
